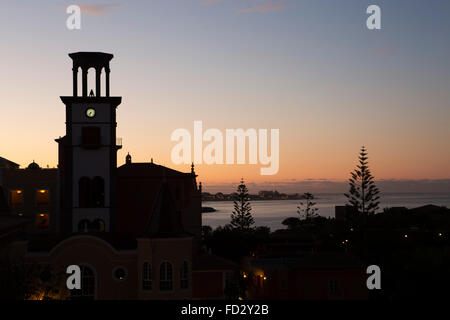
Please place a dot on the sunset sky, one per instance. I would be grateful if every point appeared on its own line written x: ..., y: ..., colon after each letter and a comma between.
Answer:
x: 308, y: 68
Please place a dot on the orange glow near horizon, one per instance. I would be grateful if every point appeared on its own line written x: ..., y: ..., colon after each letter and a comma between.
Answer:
x: 312, y: 145
x: 321, y: 163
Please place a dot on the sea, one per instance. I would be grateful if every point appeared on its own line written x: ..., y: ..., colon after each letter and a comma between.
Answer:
x: 271, y: 213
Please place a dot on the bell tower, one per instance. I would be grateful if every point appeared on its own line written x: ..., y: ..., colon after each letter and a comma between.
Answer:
x: 88, y: 151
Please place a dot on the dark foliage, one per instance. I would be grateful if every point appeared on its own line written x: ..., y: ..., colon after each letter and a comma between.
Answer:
x: 363, y: 193
x: 241, y: 217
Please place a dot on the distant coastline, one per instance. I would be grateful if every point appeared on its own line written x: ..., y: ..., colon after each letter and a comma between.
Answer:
x: 262, y: 195
x: 272, y: 213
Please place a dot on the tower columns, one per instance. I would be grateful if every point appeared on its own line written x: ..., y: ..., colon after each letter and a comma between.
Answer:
x: 107, y: 70
x: 98, y: 73
x: 75, y: 81
x: 85, y: 80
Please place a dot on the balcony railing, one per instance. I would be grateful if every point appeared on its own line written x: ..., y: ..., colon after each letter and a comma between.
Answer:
x: 119, y: 142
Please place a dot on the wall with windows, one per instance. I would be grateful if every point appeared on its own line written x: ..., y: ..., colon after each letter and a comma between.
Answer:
x: 156, y: 269
x: 107, y: 273
x: 33, y: 193
x: 165, y: 268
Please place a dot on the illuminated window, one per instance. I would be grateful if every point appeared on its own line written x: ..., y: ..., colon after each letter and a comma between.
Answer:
x: 16, y: 198
x: 42, y: 197
x: 165, y: 277
x: 147, y: 276
x: 184, y: 275
x: 42, y: 221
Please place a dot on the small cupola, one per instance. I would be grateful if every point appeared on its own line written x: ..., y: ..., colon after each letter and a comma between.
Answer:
x: 33, y: 166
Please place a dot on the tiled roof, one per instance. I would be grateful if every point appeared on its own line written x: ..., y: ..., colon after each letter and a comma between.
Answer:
x: 145, y: 169
x: 7, y: 163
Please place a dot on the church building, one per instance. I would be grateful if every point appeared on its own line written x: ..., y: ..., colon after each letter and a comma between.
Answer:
x: 135, y: 230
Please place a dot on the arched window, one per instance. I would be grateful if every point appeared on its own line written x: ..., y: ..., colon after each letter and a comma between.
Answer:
x: 98, y: 225
x: 91, y: 80
x: 84, y: 192
x: 79, y: 82
x: 165, y: 277
x: 87, y: 291
x: 98, y: 192
x: 84, y: 225
x: 184, y: 275
x: 103, y: 82
x: 147, y: 276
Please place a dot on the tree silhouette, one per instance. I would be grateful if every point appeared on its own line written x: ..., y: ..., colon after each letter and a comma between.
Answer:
x: 31, y: 281
x: 241, y: 217
x: 363, y: 193
x: 308, y: 212
x: 291, y: 222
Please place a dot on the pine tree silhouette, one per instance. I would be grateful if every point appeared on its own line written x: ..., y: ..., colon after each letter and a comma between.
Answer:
x: 363, y: 193
x: 241, y: 217
x: 309, y: 211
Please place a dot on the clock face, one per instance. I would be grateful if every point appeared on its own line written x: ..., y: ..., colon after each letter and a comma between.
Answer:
x: 90, y: 112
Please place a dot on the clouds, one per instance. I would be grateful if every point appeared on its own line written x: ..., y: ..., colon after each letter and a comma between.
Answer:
x: 97, y: 9
x: 266, y: 6
x: 251, y: 6
x: 257, y: 6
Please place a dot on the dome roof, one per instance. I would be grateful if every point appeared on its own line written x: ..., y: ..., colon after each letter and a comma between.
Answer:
x: 33, y: 166
x: 128, y: 158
